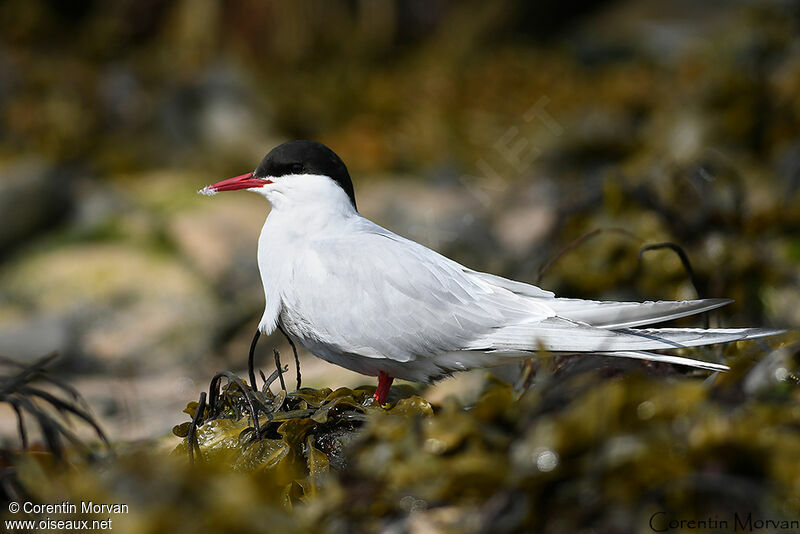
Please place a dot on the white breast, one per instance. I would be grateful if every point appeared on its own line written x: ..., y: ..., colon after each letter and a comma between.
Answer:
x: 274, y: 257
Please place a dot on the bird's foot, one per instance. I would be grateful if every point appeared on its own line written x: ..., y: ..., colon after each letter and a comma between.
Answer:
x: 384, y: 383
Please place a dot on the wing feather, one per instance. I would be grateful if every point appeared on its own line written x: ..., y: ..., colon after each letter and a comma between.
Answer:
x: 561, y: 335
x: 611, y: 314
x: 406, y: 303
x: 404, y: 300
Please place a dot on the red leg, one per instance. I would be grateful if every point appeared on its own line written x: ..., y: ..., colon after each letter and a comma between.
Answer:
x: 384, y: 383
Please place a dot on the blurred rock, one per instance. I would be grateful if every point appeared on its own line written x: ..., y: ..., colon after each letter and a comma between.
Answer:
x: 787, y: 168
x: 215, y: 109
x: 33, y: 197
x: 100, y: 204
x: 448, y: 218
x: 526, y: 216
x: 220, y: 238
x: 780, y: 304
x: 520, y: 228
x: 130, y: 309
x: 120, y: 93
x: 30, y: 339
x: 663, y: 31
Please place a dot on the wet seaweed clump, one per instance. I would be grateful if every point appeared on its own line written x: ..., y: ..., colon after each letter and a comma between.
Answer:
x: 595, y: 444
x: 581, y: 443
x: 297, y: 435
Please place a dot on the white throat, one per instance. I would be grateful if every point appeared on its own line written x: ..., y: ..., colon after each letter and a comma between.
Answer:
x: 305, y: 208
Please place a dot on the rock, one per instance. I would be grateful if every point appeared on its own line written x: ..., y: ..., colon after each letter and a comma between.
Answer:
x: 448, y: 218
x: 220, y: 238
x: 525, y: 217
x: 787, y: 168
x: 128, y: 308
x: 215, y: 109
x: 28, y: 340
x: 780, y: 304
x: 33, y: 196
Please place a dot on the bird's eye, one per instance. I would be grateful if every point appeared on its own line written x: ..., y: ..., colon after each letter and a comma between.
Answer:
x: 297, y: 168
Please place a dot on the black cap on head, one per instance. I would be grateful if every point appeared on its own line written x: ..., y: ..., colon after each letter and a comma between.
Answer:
x: 306, y: 157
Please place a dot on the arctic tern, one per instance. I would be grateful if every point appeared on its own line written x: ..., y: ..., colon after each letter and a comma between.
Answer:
x: 362, y: 297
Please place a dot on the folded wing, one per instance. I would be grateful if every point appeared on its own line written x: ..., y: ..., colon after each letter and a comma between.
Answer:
x: 411, y: 303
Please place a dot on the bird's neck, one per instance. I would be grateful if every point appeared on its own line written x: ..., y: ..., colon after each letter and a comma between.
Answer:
x: 309, y: 218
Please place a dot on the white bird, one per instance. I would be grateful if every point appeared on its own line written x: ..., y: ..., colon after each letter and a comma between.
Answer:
x: 362, y: 297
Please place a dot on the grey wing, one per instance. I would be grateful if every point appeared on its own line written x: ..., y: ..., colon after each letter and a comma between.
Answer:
x: 608, y: 314
x: 377, y: 295
x: 381, y: 296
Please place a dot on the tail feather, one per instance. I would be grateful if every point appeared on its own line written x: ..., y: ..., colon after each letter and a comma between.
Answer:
x: 561, y: 335
x: 606, y: 328
x: 667, y: 358
x: 613, y: 315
